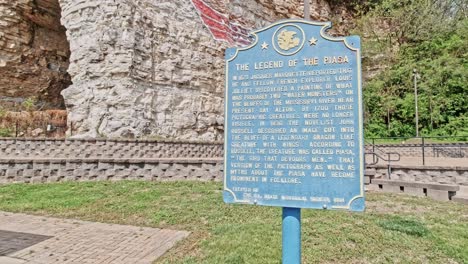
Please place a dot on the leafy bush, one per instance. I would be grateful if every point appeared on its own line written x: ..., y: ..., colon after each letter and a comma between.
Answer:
x: 442, y: 63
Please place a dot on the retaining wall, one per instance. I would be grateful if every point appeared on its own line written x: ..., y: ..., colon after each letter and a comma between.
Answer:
x: 51, y: 160
x: 55, y: 170
x: 426, y: 174
x: 26, y: 160
x: 106, y: 148
x: 114, y: 148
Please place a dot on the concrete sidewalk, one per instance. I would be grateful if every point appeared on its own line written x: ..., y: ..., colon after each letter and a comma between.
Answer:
x: 46, y: 240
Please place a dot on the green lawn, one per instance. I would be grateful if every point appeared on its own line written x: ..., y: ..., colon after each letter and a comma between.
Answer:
x: 394, y: 229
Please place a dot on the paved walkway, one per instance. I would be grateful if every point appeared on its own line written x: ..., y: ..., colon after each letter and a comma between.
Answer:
x: 44, y: 240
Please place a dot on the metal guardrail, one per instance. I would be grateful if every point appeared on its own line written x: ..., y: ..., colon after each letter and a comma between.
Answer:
x: 439, y: 149
x: 49, y: 129
x: 376, y: 157
x: 462, y: 139
x: 450, y: 152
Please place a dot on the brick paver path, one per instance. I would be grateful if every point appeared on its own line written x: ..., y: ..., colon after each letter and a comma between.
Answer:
x: 82, y: 242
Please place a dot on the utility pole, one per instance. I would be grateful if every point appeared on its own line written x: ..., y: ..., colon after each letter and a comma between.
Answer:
x: 416, y: 76
x: 307, y: 9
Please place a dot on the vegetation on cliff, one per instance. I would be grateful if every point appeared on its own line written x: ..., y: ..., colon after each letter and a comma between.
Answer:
x: 429, y: 36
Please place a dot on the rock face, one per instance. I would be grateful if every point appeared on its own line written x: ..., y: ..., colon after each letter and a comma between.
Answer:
x: 33, y: 52
x: 152, y: 68
x: 140, y: 68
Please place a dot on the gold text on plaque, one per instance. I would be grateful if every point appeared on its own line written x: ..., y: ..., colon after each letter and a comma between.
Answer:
x: 287, y: 41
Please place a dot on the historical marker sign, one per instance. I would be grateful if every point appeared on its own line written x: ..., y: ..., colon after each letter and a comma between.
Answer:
x: 294, y: 119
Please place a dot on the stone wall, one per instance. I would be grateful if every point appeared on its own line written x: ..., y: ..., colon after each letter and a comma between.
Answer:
x: 33, y: 52
x: 131, y: 148
x: 48, y: 160
x: 426, y: 174
x: 57, y: 170
x: 109, y: 149
x: 152, y: 67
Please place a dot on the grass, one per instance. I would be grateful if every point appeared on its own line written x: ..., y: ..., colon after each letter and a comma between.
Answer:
x: 394, y: 229
x: 405, y: 226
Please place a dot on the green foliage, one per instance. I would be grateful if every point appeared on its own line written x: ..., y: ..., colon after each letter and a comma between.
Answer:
x: 29, y: 104
x: 431, y: 37
x: 3, y: 112
x: 5, y: 132
x: 362, y: 6
x: 409, y: 21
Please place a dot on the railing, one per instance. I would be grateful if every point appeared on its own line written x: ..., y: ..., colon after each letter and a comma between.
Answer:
x: 43, y: 123
x: 48, y: 128
x: 389, y: 160
x: 450, y: 147
x: 452, y: 152
x: 376, y: 157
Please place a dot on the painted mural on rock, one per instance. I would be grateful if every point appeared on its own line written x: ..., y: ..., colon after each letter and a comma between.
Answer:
x: 220, y: 26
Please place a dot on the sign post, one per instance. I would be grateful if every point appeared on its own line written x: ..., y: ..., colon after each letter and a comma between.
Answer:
x: 293, y: 124
x: 291, y: 235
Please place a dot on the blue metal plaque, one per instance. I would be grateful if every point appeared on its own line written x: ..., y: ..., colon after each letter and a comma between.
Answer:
x: 293, y: 119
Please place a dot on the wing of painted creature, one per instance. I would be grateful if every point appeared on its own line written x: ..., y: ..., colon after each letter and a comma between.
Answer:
x: 220, y: 26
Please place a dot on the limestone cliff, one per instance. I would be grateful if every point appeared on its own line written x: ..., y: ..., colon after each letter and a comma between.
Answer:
x: 140, y: 68
x: 154, y: 67
x: 33, y: 52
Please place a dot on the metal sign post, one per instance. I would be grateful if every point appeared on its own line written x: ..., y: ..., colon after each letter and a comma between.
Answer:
x: 416, y: 111
x: 291, y: 235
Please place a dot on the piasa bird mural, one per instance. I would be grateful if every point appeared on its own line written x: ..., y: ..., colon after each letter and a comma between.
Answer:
x: 220, y: 26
